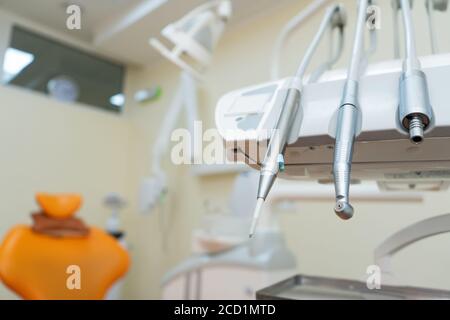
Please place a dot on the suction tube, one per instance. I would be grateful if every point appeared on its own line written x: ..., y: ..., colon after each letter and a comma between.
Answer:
x: 347, y: 121
x: 274, y: 160
x: 395, y: 8
x: 432, y: 6
x: 288, y: 29
x: 431, y: 26
x: 415, y: 111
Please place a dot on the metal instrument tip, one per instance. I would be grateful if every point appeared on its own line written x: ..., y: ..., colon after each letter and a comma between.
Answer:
x: 256, y: 214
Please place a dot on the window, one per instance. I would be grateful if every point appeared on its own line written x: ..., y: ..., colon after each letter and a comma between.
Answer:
x: 66, y: 73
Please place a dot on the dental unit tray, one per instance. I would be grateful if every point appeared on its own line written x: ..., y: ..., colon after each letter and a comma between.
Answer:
x: 303, y: 287
x: 382, y: 151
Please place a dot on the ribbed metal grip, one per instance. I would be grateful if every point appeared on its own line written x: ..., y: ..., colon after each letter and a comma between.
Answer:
x: 416, y: 127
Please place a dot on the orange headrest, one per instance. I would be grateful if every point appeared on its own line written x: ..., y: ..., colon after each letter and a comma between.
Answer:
x: 59, y: 205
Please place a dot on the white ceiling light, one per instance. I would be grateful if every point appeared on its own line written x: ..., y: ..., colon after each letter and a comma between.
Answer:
x: 14, y: 62
x: 195, y: 35
x: 117, y: 100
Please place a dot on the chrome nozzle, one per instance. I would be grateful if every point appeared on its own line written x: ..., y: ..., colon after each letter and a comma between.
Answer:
x: 415, y: 111
x: 343, y: 209
x: 416, y: 128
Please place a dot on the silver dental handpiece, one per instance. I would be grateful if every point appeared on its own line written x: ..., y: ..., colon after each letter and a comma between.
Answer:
x: 273, y: 162
x: 347, y: 121
x: 343, y: 153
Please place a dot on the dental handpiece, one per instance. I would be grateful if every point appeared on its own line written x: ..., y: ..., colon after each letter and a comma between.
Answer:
x: 273, y: 161
x: 347, y: 122
x: 415, y: 112
x: 343, y: 152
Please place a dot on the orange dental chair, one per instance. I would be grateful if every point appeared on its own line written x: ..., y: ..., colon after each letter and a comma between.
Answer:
x: 59, y: 257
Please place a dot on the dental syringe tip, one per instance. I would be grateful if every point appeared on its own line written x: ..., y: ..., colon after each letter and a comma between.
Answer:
x: 256, y: 215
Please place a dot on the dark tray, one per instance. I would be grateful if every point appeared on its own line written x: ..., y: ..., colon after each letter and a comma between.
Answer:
x: 303, y: 287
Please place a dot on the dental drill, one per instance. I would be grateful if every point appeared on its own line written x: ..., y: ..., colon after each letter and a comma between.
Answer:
x: 273, y: 161
x: 415, y: 112
x: 348, y: 120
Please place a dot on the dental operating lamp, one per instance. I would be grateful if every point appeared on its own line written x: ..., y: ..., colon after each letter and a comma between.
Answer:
x: 274, y: 159
x: 415, y: 112
x: 194, y: 38
x: 348, y: 124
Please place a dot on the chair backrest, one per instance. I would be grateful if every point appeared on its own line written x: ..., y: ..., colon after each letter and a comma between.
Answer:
x: 39, y: 266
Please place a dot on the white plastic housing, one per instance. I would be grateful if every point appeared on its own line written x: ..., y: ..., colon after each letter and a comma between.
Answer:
x: 383, y: 151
